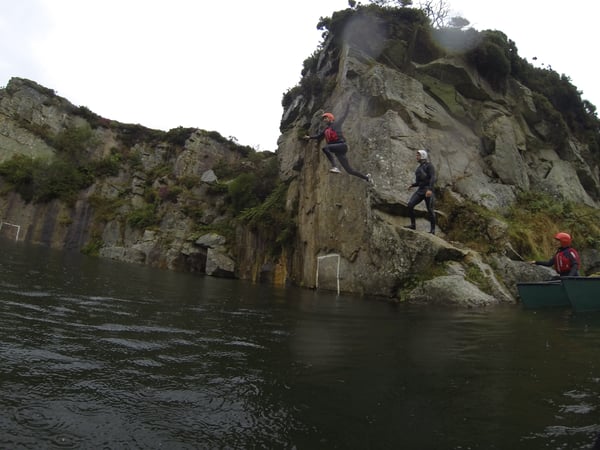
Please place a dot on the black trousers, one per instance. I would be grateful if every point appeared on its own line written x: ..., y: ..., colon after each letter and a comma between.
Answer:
x: 417, y: 198
x: 339, y: 149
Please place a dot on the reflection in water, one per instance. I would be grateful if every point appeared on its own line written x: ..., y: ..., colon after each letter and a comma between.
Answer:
x: 98, y: 354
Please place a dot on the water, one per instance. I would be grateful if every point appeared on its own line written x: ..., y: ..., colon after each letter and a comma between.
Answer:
x: 96, y: 354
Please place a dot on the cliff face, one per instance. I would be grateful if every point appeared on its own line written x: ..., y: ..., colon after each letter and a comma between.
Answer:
x: 163, y: 206
x: 170, y: 203
x: 486, y: 146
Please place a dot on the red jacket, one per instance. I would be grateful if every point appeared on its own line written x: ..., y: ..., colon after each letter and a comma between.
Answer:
x: 565, y: 261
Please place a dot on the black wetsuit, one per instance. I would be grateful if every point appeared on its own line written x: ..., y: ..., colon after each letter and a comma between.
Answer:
x: 336, y: 145
x: 424, y: 181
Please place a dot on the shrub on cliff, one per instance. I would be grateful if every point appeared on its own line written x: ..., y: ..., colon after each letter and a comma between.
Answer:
x: 41, y: 181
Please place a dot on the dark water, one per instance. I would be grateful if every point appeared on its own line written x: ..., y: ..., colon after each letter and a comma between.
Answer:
x: 97, y: 354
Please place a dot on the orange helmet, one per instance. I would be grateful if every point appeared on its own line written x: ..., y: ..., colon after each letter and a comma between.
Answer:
x: 564, y: 238
x: 329, y: 116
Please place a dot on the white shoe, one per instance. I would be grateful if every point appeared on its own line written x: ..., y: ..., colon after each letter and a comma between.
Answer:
x: 369, y: 178
x: 334, y: 170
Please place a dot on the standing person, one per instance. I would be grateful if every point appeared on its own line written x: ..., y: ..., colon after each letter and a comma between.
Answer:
x: 335, y: 144
x: 566, y: 260
x: 424, y: 181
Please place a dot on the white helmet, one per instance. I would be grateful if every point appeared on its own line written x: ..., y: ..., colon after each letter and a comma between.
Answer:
x: 422, y: 153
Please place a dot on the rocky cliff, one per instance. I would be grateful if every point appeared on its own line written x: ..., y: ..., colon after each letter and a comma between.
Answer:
x: 152, y: 198
x: 191, y: 200
x: 488, y: 145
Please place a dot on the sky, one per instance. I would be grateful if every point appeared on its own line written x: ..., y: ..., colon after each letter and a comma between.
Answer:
x: 224, y: 65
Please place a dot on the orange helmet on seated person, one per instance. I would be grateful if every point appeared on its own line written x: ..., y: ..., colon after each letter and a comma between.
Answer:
x: 564, y: 238
x: 329, y: 116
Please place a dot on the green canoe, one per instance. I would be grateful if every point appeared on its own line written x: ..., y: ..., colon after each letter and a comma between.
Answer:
x: 583, y: 293
x: 543, y: 294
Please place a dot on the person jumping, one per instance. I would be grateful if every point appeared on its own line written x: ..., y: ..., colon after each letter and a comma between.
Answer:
x: 336, y: 145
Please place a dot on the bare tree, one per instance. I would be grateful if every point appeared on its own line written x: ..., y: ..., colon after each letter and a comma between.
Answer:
x: 436, y: 10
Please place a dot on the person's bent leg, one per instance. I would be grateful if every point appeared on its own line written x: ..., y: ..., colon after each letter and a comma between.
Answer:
x: 341, y: 156
x: 327, y: 152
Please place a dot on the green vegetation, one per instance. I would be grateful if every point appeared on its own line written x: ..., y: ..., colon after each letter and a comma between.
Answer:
x: 163, y: 170
x: 107, y: 167
x: 178, y: 136
x: 242, y: 192
x: 271, y: 219
x: 476, y: 276
x: 130, y: 134
x: 532, y: 223
x: 466, y: 222
x: 92, y: 248
x: 105, y: 209
x: 61, y: 177
x: 73, y: 142
x: 92, y: 118
x: 194, y: 212
x: 491, y: 58
x: 438, y: 269
x: 250, y: 189
x: 41, y: 181
x: 143, y: 217
x: 189, y: 181
x: 536, y: 218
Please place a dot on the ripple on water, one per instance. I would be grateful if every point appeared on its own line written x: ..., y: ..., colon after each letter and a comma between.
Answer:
x: 65, y: 441
x: 46, y: 424
x: 146, y: 363
x: 576, y: 394
x: 147, y: 329
x: 134, y: 344
x: 240, y: 343
x: 32, y: 294
x: 34, y: 416
x: 560, y: 431
x: 582, y: 408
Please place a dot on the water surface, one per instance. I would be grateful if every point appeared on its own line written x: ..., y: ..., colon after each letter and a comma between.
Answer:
x: 100, y: 354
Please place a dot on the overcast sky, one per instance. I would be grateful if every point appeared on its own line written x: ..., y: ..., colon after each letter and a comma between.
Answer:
x: 224, y: 65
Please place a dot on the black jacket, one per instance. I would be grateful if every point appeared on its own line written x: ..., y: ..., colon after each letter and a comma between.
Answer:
x: 424, y: 176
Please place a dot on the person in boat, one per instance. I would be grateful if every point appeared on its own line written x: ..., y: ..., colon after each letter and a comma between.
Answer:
x: 566, y: 260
